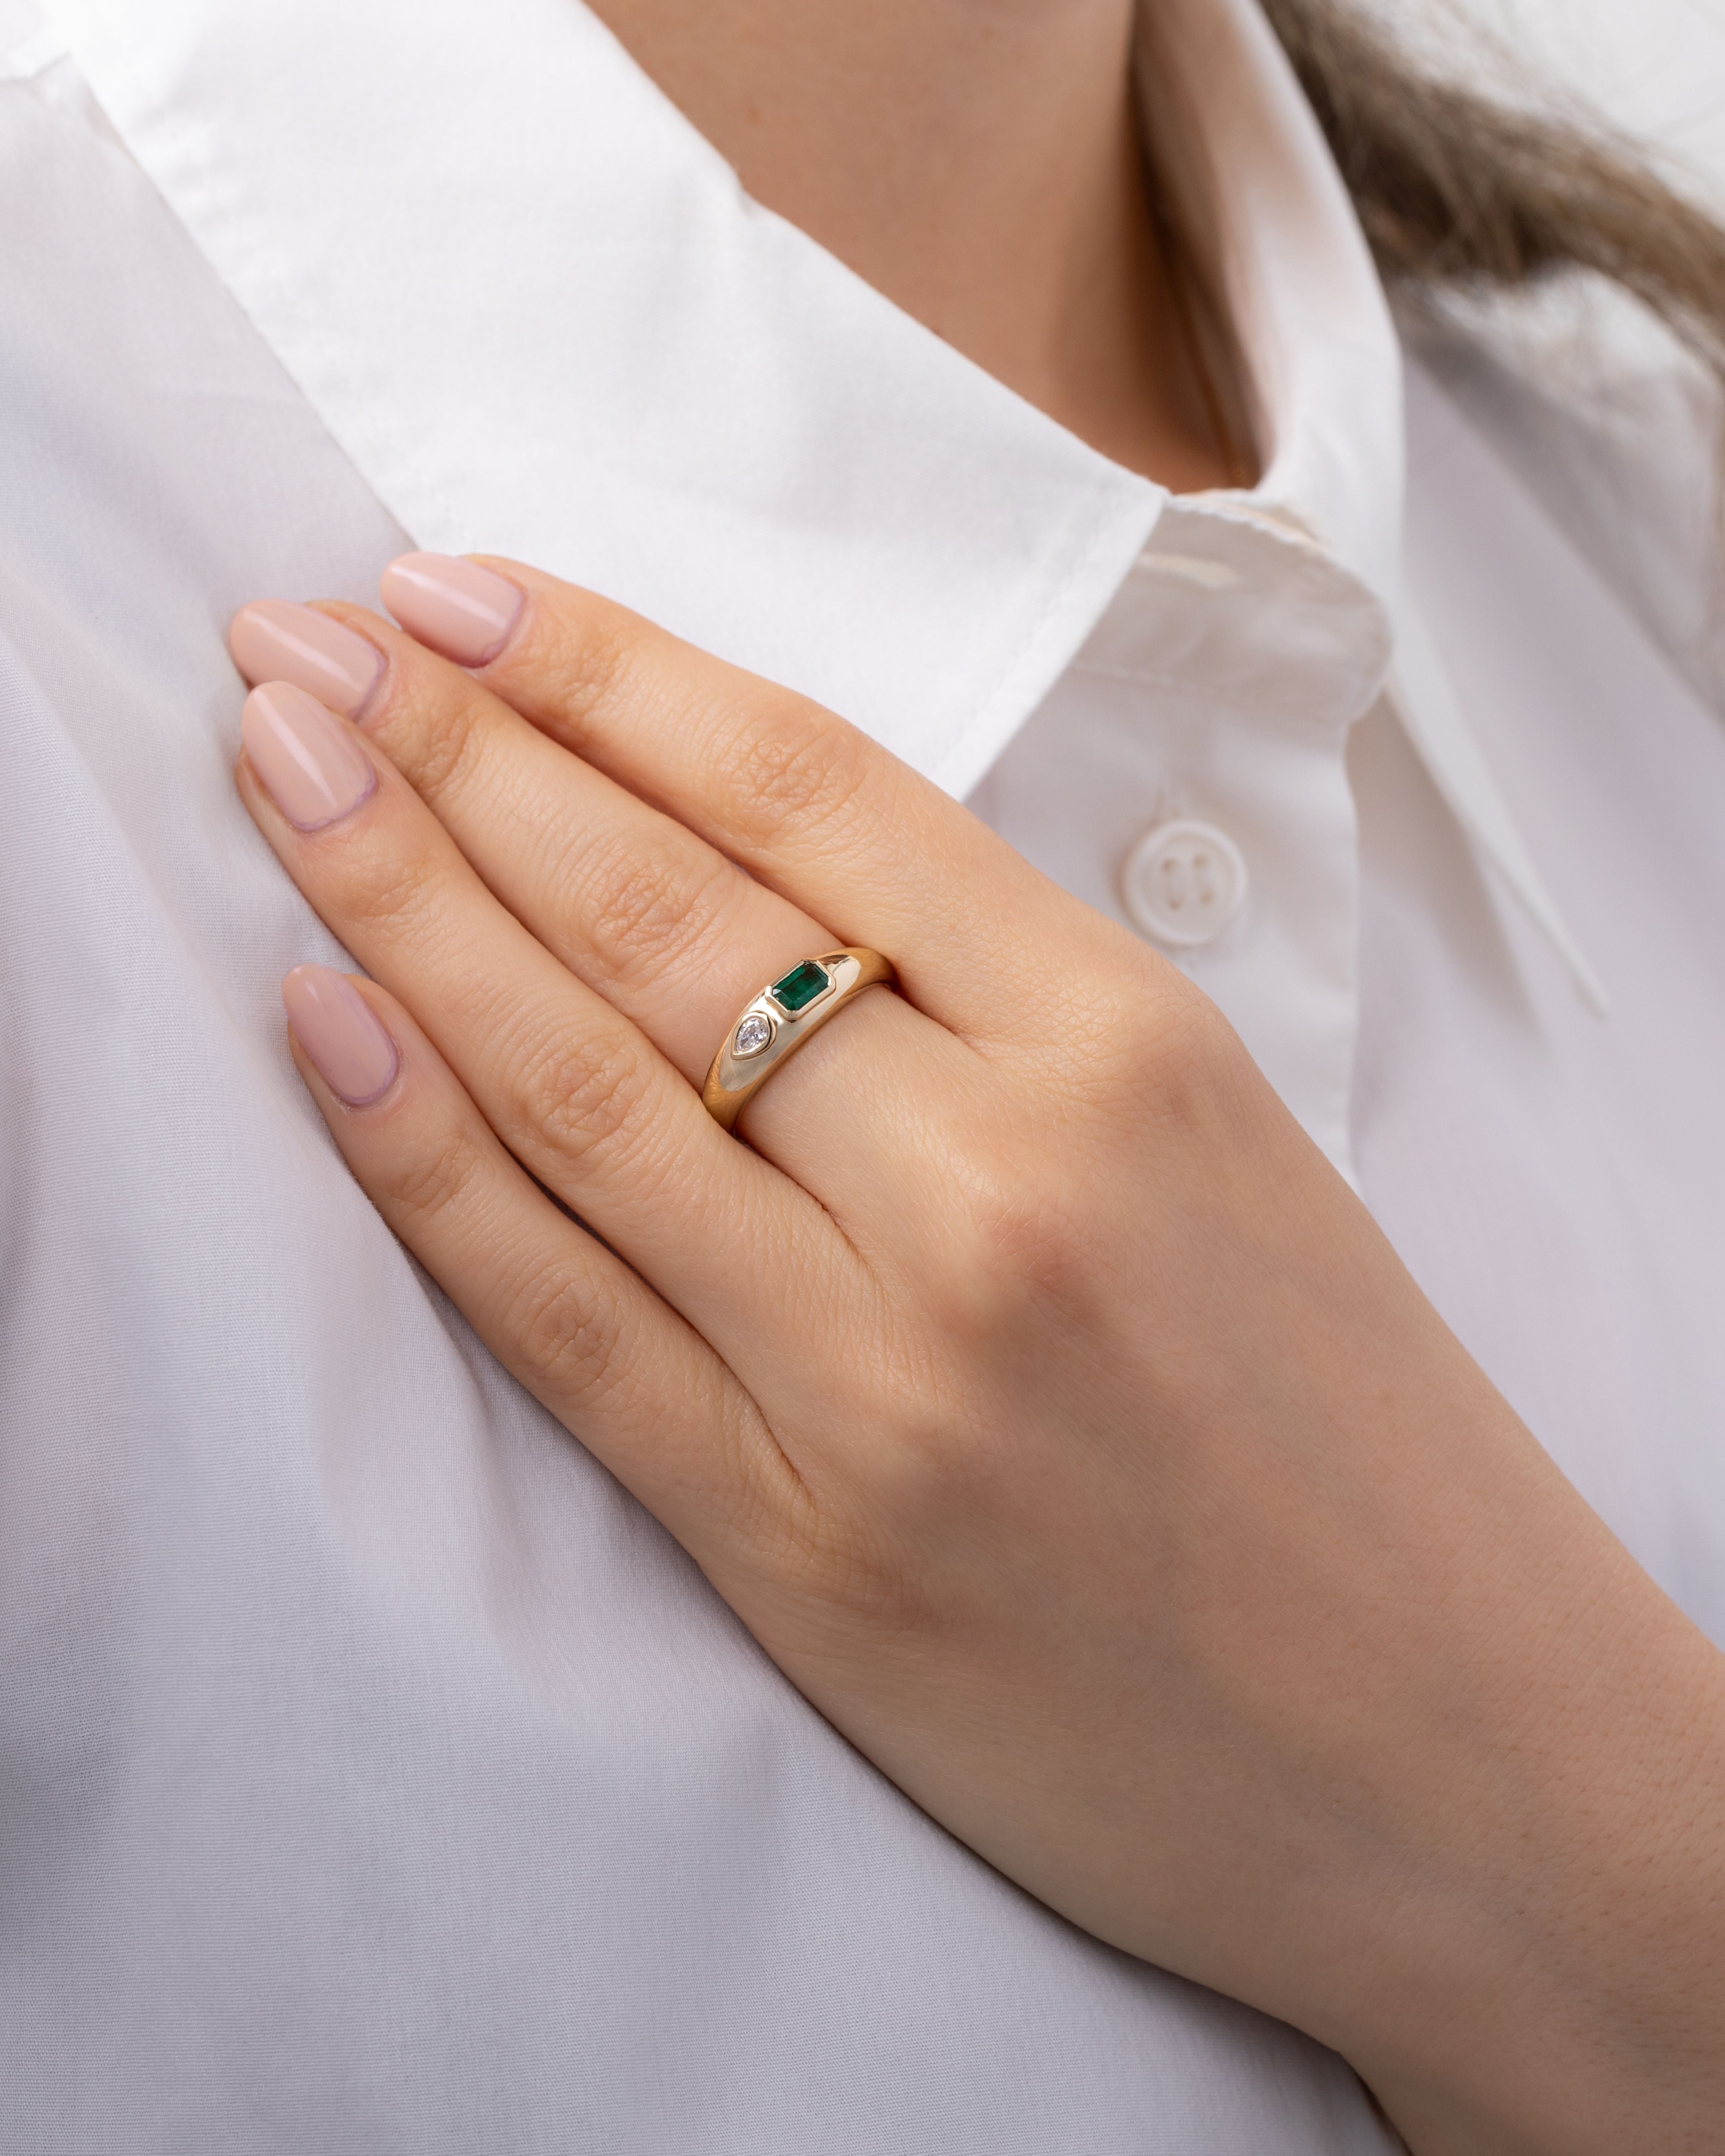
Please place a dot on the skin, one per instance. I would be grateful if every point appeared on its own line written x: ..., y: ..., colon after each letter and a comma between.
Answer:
x: 1129, y: 1507
x: 977, y: 161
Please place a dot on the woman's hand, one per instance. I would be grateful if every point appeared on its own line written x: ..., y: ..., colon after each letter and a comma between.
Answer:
x: 1034, y: 1390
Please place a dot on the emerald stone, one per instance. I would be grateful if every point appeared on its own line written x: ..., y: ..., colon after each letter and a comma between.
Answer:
x: 800, y: 987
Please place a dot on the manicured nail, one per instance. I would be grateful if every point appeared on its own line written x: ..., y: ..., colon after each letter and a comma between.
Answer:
x: 311, y: 766
x: 272, y: 641
x: 341, y: 1034
x: 460, y: 609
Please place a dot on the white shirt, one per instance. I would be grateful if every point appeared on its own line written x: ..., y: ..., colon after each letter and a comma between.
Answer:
x: 373, y: 1773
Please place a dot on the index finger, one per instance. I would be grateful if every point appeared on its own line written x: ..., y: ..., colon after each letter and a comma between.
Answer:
x: 810, y: 805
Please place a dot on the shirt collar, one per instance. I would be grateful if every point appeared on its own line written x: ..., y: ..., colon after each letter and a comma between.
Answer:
x: 1256, y: 190
x: 535, y: 309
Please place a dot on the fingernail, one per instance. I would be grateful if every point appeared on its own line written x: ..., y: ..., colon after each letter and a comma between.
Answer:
x: 272, y: 641
x: 311, y: 766
x: 460, y: 609
x: 341, y: 1034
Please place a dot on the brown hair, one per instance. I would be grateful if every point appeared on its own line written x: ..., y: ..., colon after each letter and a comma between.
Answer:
x: 1457, y: 189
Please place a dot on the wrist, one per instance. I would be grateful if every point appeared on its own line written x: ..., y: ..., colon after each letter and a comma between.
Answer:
x: 1552, y: 1981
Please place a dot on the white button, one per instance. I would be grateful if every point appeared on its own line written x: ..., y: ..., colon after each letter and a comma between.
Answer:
x: 1183, y: 882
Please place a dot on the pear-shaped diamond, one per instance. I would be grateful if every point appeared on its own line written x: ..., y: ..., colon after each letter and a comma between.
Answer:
x: 752, y: 1036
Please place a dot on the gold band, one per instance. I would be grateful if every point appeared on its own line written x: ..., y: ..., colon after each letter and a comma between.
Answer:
x: 774, y: 1026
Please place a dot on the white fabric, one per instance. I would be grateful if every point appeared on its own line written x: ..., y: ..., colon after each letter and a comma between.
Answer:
x: 1618, y: 434
x: 372, y: 1773
x: 681, y: 414
x: 664, y: 390
x: 1221, y: 685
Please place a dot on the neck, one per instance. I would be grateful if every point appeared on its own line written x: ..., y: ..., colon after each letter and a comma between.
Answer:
x: 978, y: 163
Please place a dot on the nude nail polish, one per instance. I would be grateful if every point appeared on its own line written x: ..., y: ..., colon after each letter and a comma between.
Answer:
x: 341, y: 1034
x: 311, y: 766
x: 462, y: 611
x: 274, y: 641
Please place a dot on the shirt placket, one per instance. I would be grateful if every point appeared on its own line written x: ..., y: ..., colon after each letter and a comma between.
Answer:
x: 1188, y: 776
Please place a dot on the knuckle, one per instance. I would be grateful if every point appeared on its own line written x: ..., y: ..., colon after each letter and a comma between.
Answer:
x: 571, y: 1330
x: 644, y: 907
x: 1013, y: 1249
x: 420, y: 1187
x: 448, y: 748
x: 389, y: 890
x: 591, y: 649
x: 938, y: 1454
x: 589, y: 1092
x: 853, y: 1573
x: 1021, y: 1252
x: 795, y: 767
x: 1150, y: 1048
x: 1189, y: 1058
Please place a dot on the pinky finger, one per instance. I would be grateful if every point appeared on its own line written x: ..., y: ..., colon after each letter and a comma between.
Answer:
x: 620, y: 1369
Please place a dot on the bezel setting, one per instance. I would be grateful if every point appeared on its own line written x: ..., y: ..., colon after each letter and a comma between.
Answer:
x: 786, y: 1013
x: 753, y: 1035
x: 802, y: 988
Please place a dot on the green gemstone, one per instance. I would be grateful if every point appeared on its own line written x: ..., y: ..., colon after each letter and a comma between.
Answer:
x: 800, y: 987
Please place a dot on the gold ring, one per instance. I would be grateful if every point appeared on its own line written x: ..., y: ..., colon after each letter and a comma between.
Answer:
x: 775, y: 1025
